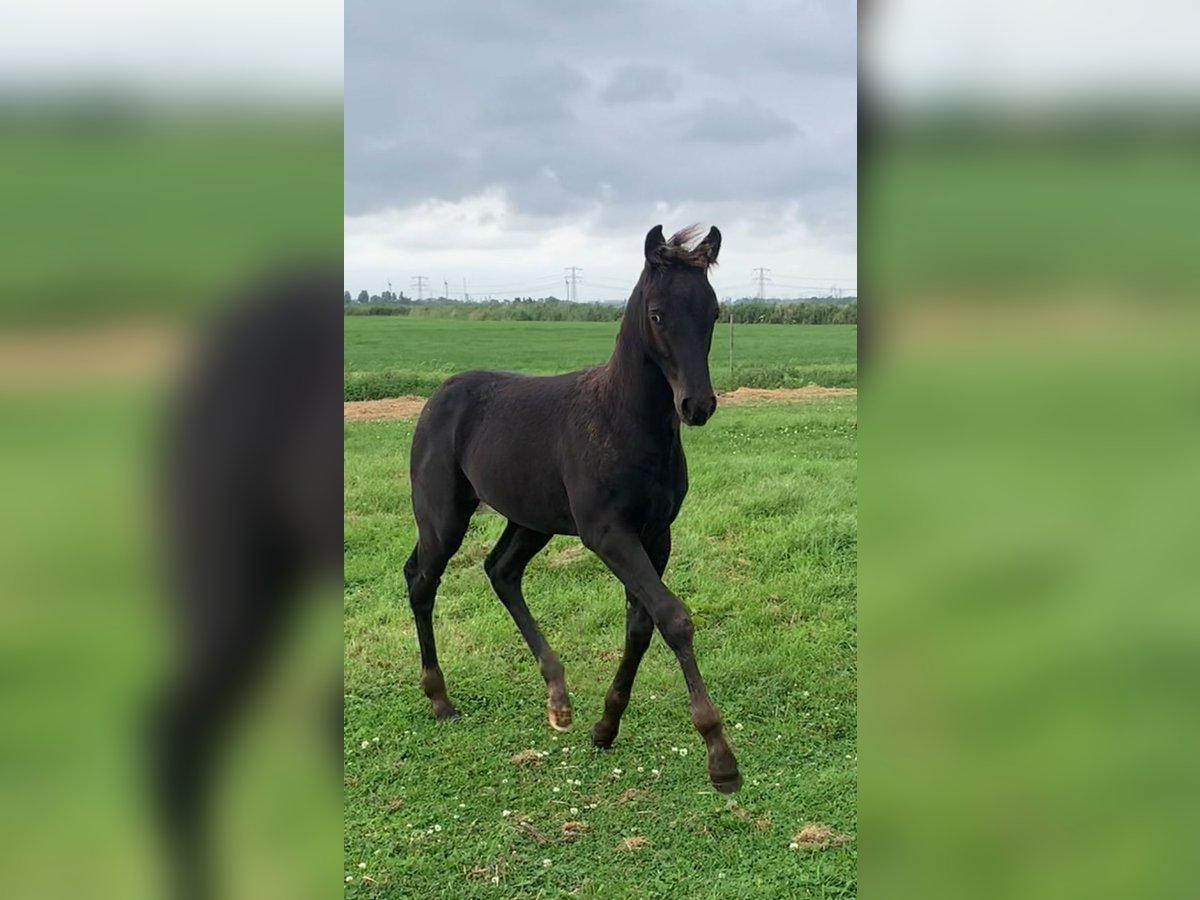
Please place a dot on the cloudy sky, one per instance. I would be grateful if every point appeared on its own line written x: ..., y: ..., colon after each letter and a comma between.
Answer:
x: 1023, y: 52
x: 246, y: 49
x: 501, y: 142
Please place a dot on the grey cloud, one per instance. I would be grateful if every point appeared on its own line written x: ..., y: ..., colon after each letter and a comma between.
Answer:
x: 542, y: 100
x: 733, y: 122
x: 402, y: 173
x: 532, y: 97
x: 637, y: 83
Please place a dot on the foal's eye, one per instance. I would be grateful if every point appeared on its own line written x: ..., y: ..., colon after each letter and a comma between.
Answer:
x: 655, y: 318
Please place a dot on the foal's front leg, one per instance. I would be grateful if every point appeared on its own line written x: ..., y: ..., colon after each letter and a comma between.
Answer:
x: 639, y: 629
x: 624, y: 554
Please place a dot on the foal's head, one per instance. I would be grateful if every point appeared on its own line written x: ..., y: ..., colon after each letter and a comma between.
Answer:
x: 677, y: 314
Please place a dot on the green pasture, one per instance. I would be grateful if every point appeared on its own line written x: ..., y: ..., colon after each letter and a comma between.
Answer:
x: 387, y: 356
x: 765, y: 554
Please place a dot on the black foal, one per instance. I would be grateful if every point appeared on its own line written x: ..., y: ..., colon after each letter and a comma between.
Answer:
x: 594, y: 453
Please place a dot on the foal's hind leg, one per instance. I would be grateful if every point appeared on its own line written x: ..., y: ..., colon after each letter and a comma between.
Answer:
x: 505, y: 566
x: 639, y: 629
x: 441, y: 533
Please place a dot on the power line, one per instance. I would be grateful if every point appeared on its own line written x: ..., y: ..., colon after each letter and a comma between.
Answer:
x: 763, y: 278
x: 821, y: 279
x: 575, y: 272
x: 518, y: 286
x: 608, y: 285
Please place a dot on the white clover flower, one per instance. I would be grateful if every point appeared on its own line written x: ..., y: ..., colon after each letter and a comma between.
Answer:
x: 349, y: 878
x: 506, y: 813
x: 793, y: 846
x: 737, y: 726
x: 546, y: 863
x: 574, y: 810
x: 365, y: 745
x: 683, y: 751
x: 655, y: 772
x: 362, y: 865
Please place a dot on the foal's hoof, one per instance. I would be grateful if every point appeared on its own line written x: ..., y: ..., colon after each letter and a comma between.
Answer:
x: 444, y: 711
x: 602, y: 736
x: 726, y: 782
x: 560, y: 719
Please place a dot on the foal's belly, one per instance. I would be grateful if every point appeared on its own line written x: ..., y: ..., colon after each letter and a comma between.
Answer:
x: 548, y: 520
x: 523, y: 488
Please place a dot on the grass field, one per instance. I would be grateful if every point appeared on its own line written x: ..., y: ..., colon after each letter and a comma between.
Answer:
x: 765, y: 556
x: 89, y: 631
x: 393, y: 356
x: 164, y: 214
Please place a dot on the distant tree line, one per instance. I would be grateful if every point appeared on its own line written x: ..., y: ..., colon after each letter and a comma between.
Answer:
x: 553, y: 309
x: 805, y: 312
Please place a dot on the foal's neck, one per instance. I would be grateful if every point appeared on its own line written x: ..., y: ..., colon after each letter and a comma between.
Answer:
x: 637, y: 388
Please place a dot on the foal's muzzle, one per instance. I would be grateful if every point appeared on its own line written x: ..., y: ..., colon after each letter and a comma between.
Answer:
x: 697, y: 410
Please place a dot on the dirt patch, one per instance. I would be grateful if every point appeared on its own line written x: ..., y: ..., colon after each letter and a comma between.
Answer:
x: 530, y: 758
x: 572, y: 831
x: 758, y: 395
x: 87, y: 355
x: 814, y: 834
x: 391, y: 408
x: 629, y: 844
x: 408, y: 407
x: 631, y: 794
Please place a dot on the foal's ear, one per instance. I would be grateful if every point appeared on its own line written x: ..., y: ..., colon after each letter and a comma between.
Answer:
x: 655, y: 244
x: 711, y: 245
